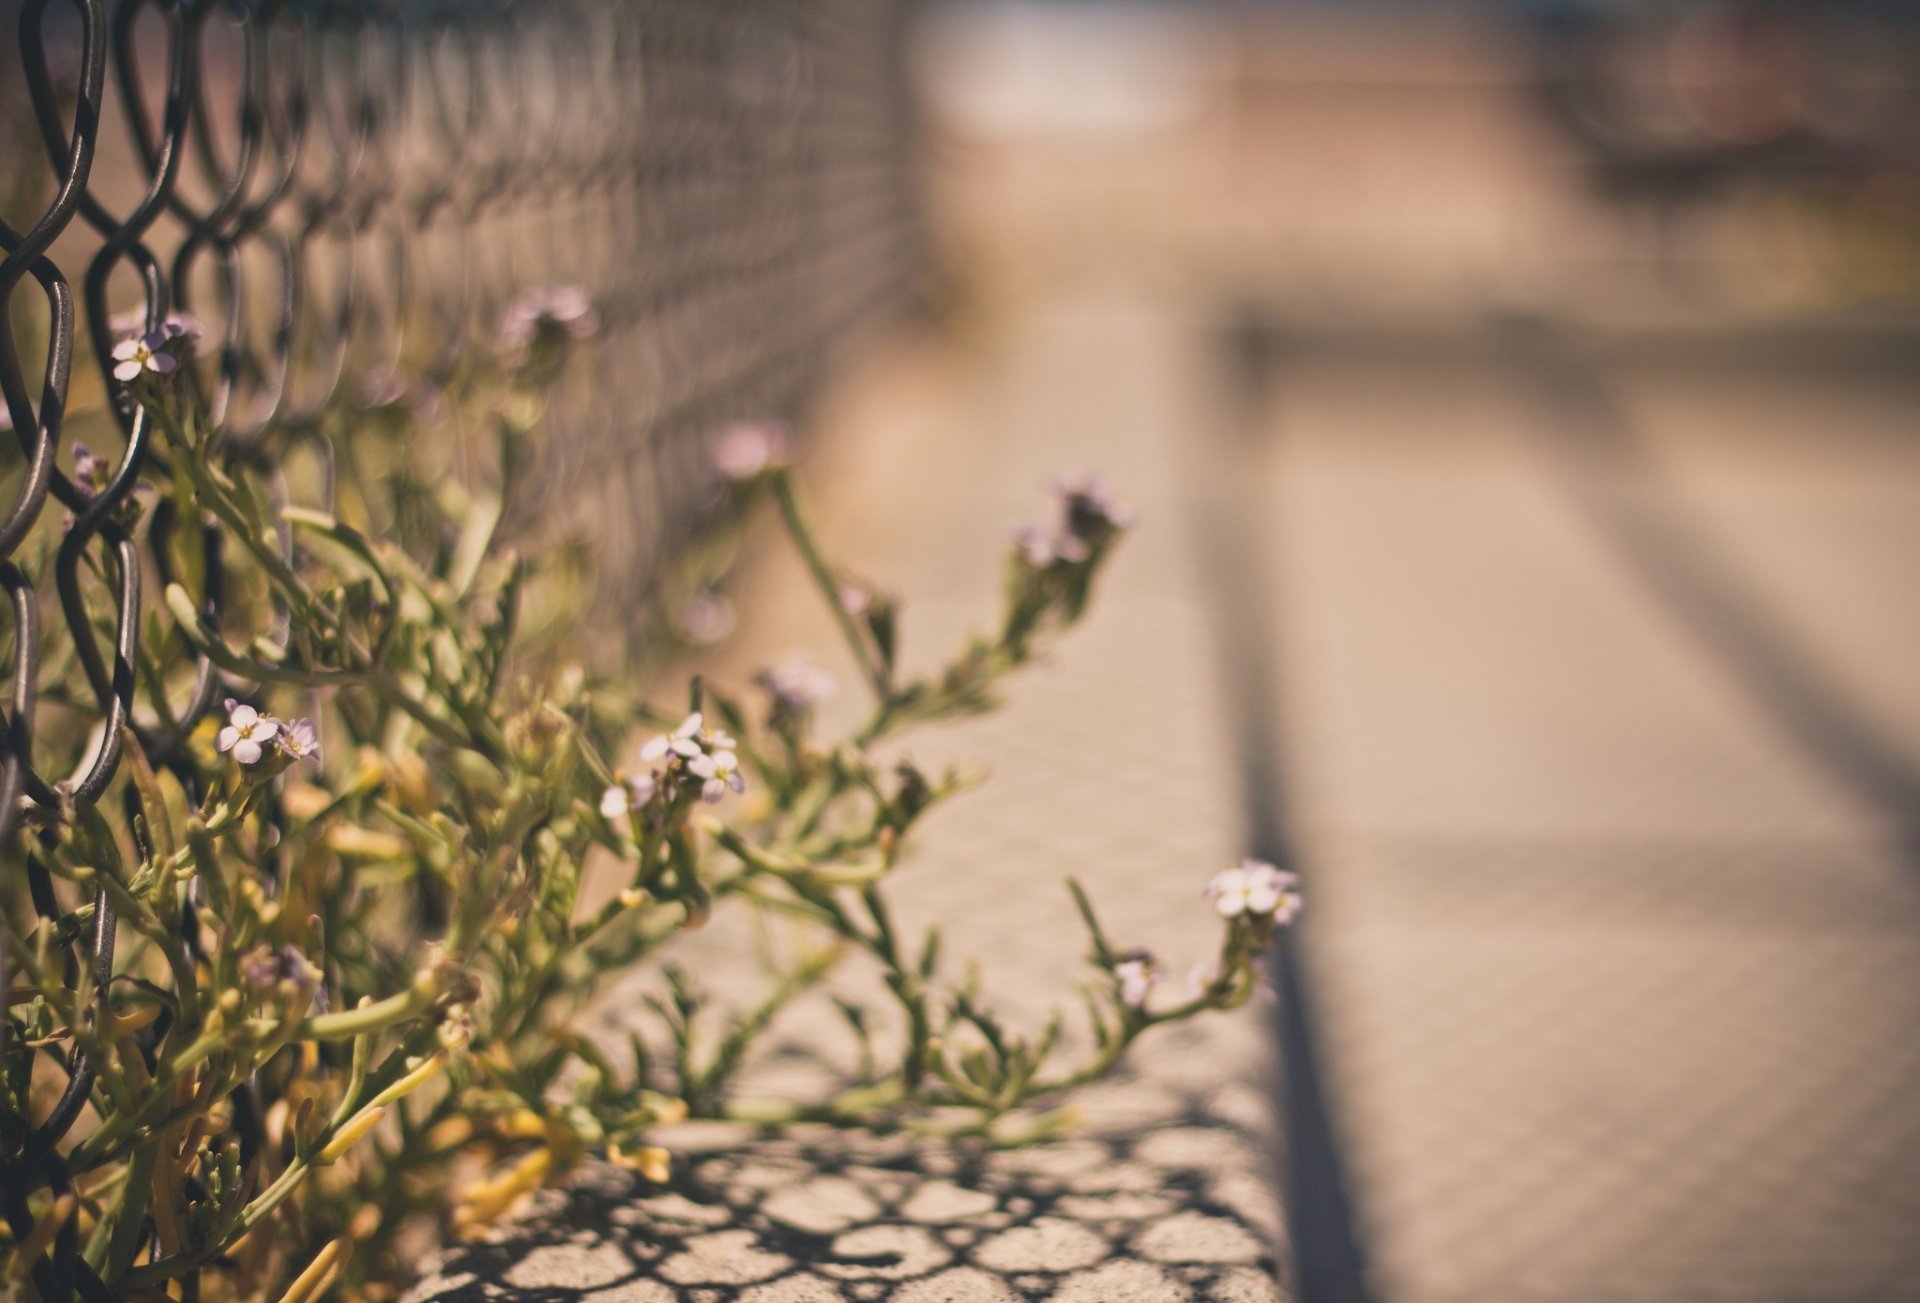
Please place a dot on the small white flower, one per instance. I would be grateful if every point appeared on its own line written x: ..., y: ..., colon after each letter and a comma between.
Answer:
x: 286, y: 970
x: 743, y: 451
x: 796, y: 684
x: 182, y: 327
x: 1138, y: 972
x: 708, y: 618
x: 247, y: 732
x: 1036, y: 548
x: 721, y: 771
x: 1256, y: 889
x: 561, y: 308
x: 627, y: 795
x: 142, y: 353
x: 300, y: 741
x: 683, y: 741
x: 1088, y: 511
x: 1040, y: 549
x: 90, y: 470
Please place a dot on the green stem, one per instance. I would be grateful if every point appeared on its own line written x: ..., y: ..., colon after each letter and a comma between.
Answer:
x: 823, y: 579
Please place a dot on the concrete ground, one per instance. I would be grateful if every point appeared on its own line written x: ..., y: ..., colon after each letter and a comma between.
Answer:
x: 1551, y: 615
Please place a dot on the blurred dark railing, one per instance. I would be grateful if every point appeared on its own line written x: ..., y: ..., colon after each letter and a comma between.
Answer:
x: 349, y: 193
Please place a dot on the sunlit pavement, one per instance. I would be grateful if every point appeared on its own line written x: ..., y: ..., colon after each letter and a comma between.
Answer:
x: 1577, y: 573
x: 1534, y: 574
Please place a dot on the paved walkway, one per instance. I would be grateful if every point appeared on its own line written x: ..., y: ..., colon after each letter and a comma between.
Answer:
x: 1564, y: 641
x: 1114, y: 763
x: 1599, y: 707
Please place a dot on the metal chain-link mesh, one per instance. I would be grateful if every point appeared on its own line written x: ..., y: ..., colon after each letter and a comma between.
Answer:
x: 348, y: 196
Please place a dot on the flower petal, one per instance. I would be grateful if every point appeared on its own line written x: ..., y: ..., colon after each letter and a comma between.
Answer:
x: 246, y: 751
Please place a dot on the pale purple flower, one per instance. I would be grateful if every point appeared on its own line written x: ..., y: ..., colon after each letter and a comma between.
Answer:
x: 705, y: 753
x: 683, y: 741
x: 1138, y: 972
x: 182, y: 328
x: 300, y: 741
x: 627, y: 795
x: 175, y: 325
x: 1035, y: 546
x: 1040, y: 549
x: 720, y: 771
x: 247, y: 732
x: 135, y: 356
x: 563, y: 309
x: 743, y: 451
x: 285, y: 971
x: 709, y: 617
x: 1255, y: 889
x: 796, y: 684
x: 90, y: 470
x: 1088, y: 511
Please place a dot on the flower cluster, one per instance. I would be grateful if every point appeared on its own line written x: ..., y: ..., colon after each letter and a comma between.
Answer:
x: 1089, y: 515
x: 692, y: 758
x: 1089, y: 520
x: 707, y: 618
x: 627, y: 794
x: 537, y: 330
x: 251, y: 737
x: 1255, y: 890
x: 743, y: 452
x: 159, y: 353
x: 284, y: 973
x: 91, y: 471
x: 1138, y: 972
x: 553, y: 311
x: 794, y: 687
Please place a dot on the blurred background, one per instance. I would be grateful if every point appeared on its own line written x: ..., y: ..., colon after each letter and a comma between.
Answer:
x: 1539, y: 386
x: 1521, y: 407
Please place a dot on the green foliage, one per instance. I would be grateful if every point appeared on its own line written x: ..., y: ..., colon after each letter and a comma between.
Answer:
x: 342, y: 998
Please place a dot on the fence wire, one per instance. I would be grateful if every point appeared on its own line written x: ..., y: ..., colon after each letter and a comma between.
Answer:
x: 346, y: 194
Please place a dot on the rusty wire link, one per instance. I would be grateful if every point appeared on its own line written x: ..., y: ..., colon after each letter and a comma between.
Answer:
x: 348, y: 194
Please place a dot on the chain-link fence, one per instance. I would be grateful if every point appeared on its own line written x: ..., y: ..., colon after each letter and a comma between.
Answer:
x: 348, y: 196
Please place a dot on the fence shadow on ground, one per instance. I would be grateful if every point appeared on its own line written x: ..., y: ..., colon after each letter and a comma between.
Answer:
x: 1109, y: 1212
